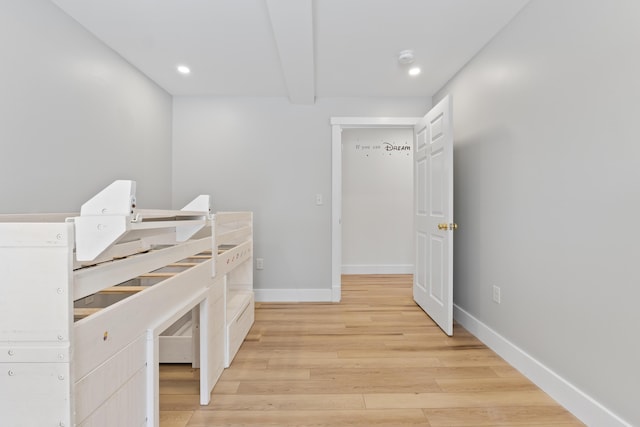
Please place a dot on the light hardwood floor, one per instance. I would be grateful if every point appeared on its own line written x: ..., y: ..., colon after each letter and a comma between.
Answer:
x: 374, y: 359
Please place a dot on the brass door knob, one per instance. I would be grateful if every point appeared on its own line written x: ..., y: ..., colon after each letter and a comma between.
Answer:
x: 445, y: 226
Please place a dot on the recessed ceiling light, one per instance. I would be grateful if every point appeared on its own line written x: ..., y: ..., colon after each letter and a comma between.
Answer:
x: 183, y: 69
x: 414, y: 71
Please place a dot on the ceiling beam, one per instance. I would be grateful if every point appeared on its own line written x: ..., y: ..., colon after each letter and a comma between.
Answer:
x: 292, y: 24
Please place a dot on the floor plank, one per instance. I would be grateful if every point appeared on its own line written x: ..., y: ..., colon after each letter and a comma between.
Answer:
x: 323, y: 418
x: 457, y: 400
x: 374, y: 359
x: 501, y: 416
x: 175, y: 418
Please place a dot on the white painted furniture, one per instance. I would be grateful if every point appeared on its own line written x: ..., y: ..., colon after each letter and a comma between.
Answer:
x: 234, y: 240
x: 126, y: 275
x: 233, y: 236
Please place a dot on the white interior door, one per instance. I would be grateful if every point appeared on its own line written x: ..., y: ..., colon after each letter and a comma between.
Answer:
x: 433, y: 215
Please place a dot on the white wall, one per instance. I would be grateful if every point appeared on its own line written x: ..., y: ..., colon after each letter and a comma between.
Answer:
x: 377, y: 201
x: 547, y: 193
x: 271, y: 157
x: 74, y: 116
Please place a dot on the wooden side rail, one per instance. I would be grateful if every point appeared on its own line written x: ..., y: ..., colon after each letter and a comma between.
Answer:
x: 123, y: 289
x: 81, y: 313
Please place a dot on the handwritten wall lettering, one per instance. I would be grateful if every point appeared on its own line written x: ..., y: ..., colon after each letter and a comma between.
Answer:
x: 392, y: 147
x: 384, y: 148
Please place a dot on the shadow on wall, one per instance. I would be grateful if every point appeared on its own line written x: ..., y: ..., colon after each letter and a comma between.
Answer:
x: 477, y: 180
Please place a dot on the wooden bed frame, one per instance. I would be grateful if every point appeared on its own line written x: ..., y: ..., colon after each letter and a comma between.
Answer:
x: 85, y: 299
x: 233, y: 233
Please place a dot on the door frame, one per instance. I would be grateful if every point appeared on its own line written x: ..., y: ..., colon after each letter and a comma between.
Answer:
x: 337, y: 125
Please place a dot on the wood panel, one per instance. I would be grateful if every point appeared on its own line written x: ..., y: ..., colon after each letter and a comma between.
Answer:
x: 375, y: 359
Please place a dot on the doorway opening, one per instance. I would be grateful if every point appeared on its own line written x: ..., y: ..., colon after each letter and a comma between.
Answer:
x: 377, y: 201
x: 339, y: 124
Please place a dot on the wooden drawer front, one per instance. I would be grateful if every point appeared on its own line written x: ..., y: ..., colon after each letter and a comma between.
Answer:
x: 118, y: 383
x: 126, y: 407
x: 238, y: 329
x: 176, y: 349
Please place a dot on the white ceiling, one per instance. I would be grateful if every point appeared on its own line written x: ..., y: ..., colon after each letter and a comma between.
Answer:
x: 302, y: 49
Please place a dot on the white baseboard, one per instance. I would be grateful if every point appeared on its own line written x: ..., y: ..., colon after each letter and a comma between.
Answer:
x: 293, y: 295
x: 377, y: 269
x: 576, y: 401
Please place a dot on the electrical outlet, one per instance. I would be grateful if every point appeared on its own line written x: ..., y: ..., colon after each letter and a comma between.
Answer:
x: 259, y: 263
x: 496, y: 294
x: 319, y: 201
